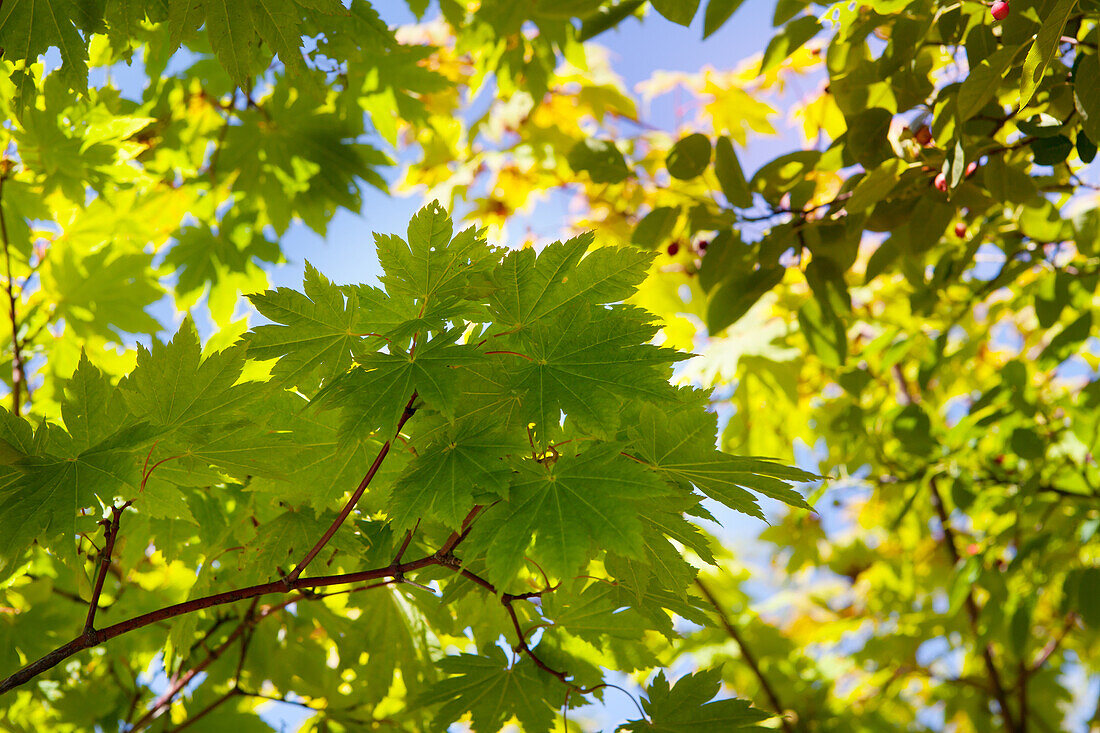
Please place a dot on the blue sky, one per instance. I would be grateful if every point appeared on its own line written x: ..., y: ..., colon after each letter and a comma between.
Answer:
x: 638, y: 49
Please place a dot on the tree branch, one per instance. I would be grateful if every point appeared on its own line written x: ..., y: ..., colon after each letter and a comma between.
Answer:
x: 18, y: 369
x: 233, y: 692
x: 444, y: 552
x: 382, y: 453
x: 1053, y: 644
x: 999, y: 691
x: 396, y: 570
x: 746, y: 654
x: 111, y: 531
x: 95, y: 638
x: 165, y: 700
x: 522, y: 645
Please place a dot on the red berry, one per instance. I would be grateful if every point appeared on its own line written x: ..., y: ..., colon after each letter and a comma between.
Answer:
x: 960, y: 230
x: 940, y: 182
x: 673, y: 249
x: 999, y: 10
x: 971, y: 167
x: 923, y: 136
x: 973, y: 549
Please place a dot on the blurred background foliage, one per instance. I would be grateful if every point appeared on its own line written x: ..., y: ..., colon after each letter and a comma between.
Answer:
x: 901, y: 295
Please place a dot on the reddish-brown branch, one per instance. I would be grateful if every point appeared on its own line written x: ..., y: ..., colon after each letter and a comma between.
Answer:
x: 973, y: 613
x: 250, y: 619
x: 95, y: 638
x: 405, y: 543
x: 18, y: 370
x: 507, y: 600
x: 443, y: 556
x: 350, y: 505
x: 233, y: 692
x: 523, y: 646
x: 746, y: 654
x: 1052, y: 645
x: 165, y: 700
x: 457, y: 537
x: 111, y: 531
x: 511, y: 353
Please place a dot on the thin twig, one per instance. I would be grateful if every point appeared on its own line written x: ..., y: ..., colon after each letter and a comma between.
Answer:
x: 111, y: 530
x: 87, y: 641
x: 246, y: 640
x: 1053, y: 644
x: 165, y: 699
x: 382, y: 453
x: 746, y: 654
x: 233, y: 692
x: 973, y: 613
x: 18, y: 370
x: 456, y: 537
x: 521, y: 645
x: 405, y: 543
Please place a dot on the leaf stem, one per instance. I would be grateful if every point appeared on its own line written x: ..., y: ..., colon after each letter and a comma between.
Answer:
x: 511, y: 353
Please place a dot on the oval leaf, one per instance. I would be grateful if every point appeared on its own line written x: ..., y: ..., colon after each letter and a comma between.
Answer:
x: 730, y: 174
x: 689, y: 157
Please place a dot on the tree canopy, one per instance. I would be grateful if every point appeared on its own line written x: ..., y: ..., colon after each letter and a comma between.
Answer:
x: 496, y: 486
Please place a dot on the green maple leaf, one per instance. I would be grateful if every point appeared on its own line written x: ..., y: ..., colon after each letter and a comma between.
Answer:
x: 663, y: 565
x: 432, y: 266
x: 41, y: 498
x: 392, y: 319
x: 55, y: 473
x: 235, y: 27
x: 16, y: 438
x: 104, y: 292
x: 594, y: 613
x: 301, y: 159
x: 174, y: 388
x: 681, y: 447
x: 317, y: 330
x: 280, y: 543
x: 492, y: 691
x: 375, y: 394
x: 314, y: 466
x: 242, y: 449
x: 488, y: 388
x: 464, y: 460
x: 685, y: 707
x: 28, y: 28
x: 205, y: 255
x: 529, y: 288
x: 93, y: 409
x: 568, y: 507
x: 586, y: 362
x: 400, y: 637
